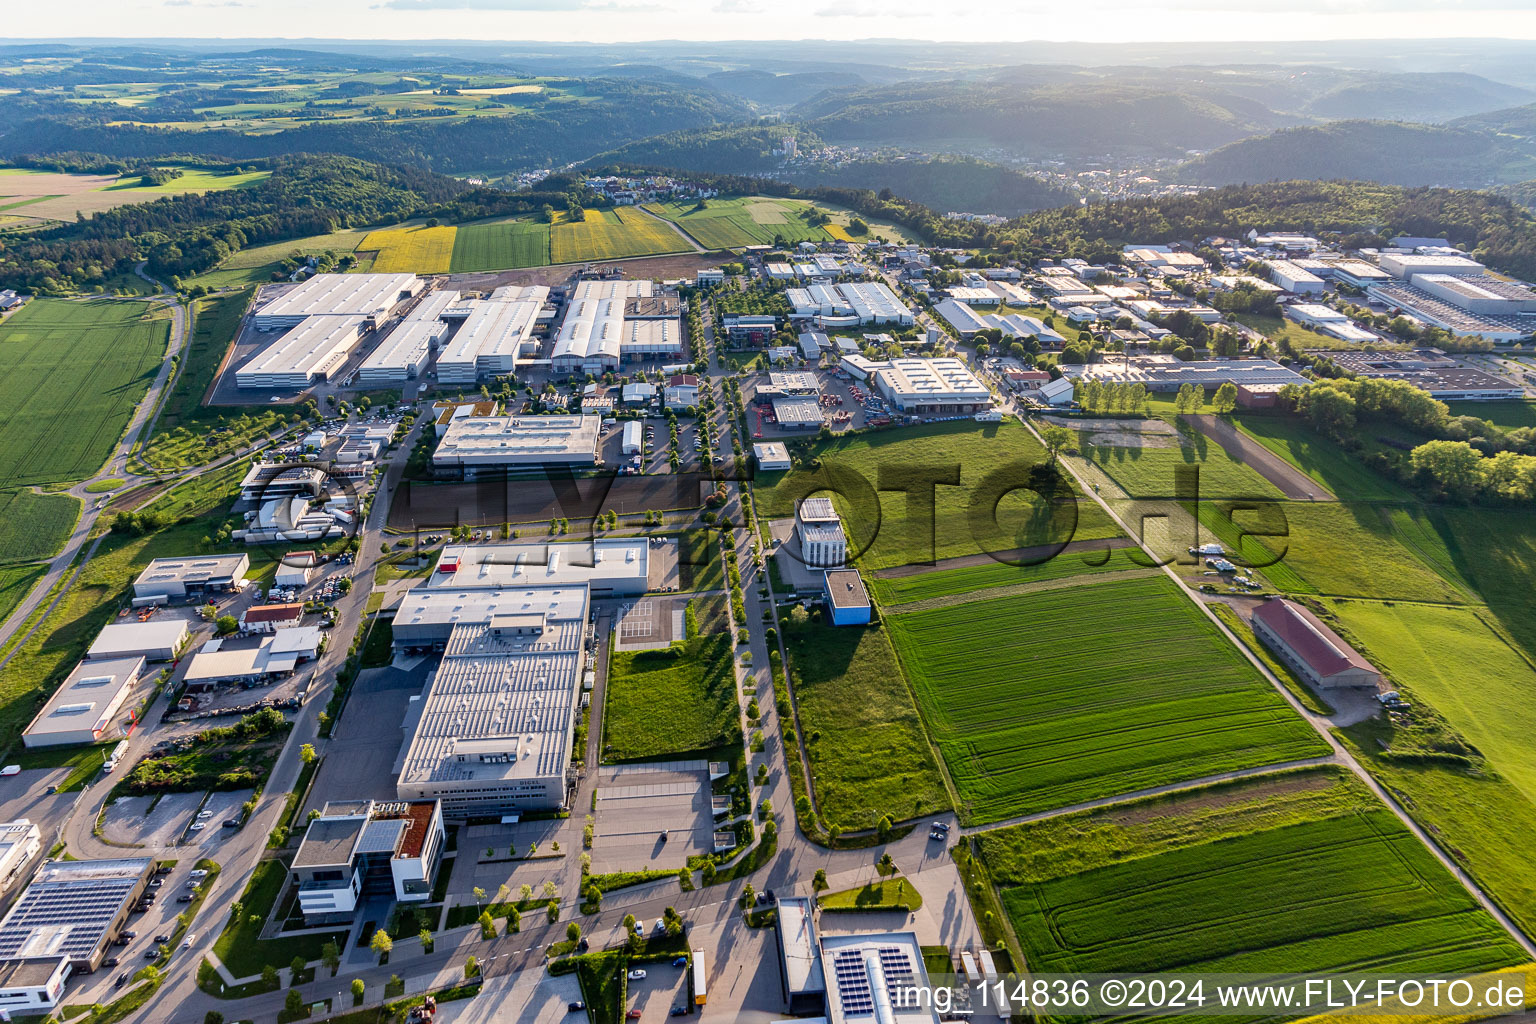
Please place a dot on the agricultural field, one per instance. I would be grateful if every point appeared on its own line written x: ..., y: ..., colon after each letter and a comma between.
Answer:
x: 869, y: 756
x: 35, y: 526
x: 1301, y: 874
x: 668, y: 703
x: 610, y: 235
x: 16, y: 582
x: 881, y: 531
x: 762, y: 220
x: 1059, y: 711
x: 500, y: 245
x: 894, y: 592
x: 256, y: 264
x: 411, y: 250
x: 36, y: 197
x: 71, y: 373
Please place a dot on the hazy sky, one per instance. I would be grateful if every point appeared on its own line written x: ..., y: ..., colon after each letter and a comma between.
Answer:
x: 618, y: 20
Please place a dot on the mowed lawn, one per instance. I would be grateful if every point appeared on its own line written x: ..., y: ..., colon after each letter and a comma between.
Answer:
x: 612, y: 234
x: 35, y: 526
x: 1323, y: 888
x: 501, y: 245
x: 990, y: 509
x: 1322, y: 460
x: 869, y: 756
x: 70, y: 375
x: 666, y: 703
x: 1148, y: 472
x: 411, y: 250
x: 1035, y: 704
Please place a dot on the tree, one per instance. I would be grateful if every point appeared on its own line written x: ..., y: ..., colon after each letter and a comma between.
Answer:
x: 479, y: 895
x: 595, y: 897
x: 883, y: 827
x: 1226, y: 398
x: 330, y: 955
x: 213, y: 1017
x: 819, y: 880
x: 1328, y: 409
x: 886, y: 865
x: 514, y: 920
x: 307, y: 754
x: 294, y: 1004
x: 672, y: 921
x: 471, y: 968
x: 381, y: 944
x: 425, y: 938
x: 551, y: 890
x: 269, y: 976
x: 357, y: 991
x: 226, y: 624
x: 748, y: 895
x: 1454, y: 466
x: 552, y: 911
x: 1056, y: 439
x: 502, y: 891
x: 629, y: 923
x: 525, y: 892
x: 296, y: 968
x: 572, y: 932
x: 487, y: 925
x: 685, y: 879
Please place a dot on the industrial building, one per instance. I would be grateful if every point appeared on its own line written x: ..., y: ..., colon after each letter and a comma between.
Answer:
x: 267, y: 480
x: 591, y: 337
x: 192, y: 577
x: 361, y: 849
x: 1165, y: 373
x: 368, y: 297
x: 1016, y: 325
x: 1306, y: 644
x: 849, y: 978
x: 681, y: 392
x: 403, y: 354
x: 798, y: 412
x: 750, y: 329
x: 489, y: 341
x: 268, y: 618
x: 20, y: 841
x: 277, y: 655
x: 1453, y: 316
x: 800, y: 978
x: 81, y: 710
x: 305, y: 355
x: 965, y: 320
x: 1431, y: 371
x: 847, y: 598
x: 612, y: 566
x: 156, y: 640
x: 1405, y: 265
x: 1291, y: 278
x: 491, y: 731
x: 73, y: 910
x: 849, y: 304
x: 823, y: 544
x: 771, y: 456
x: 931, y: 386
x: 433, y: 306
x: 1329, y: 321
x: 476, y: 446
x: 1482, y: 294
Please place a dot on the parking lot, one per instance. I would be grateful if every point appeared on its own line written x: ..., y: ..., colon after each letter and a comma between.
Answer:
x: 166, y: 824
x: 652, y: 817
x: 529, y: 997
x: 662, y: 988
x: 360, y: 757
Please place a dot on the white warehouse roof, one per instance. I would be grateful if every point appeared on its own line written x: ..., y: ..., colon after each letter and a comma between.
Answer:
x: 519, y: 440
x: 339, y: 294
x: 488, y: 341
x: 612, y: 563
x: 310, y: 350
x: 84, y: 705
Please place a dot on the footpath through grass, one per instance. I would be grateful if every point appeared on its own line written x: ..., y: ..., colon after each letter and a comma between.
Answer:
x: 1057, y: 711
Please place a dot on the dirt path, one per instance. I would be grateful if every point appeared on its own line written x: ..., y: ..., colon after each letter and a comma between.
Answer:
x: 1292, y: 482
x: 685, y: 236
x: 1037, y: 553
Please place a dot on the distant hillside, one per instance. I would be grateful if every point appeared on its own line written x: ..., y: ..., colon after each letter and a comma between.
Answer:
x: 1492, y: 227
x: 1393, y: 152
x: 734, y: 150
x: 770, y: 90
x: 961, y: 184
x: 1415, y: 97
x: 1088, y: 120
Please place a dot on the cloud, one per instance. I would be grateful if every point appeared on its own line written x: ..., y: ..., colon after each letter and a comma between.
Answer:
x: 869, y: 11
x: 738, y: 7
x: 485, y: 5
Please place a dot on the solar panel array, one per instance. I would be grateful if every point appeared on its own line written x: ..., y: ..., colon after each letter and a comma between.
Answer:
x: 853, y: 992
x: 84, y: 908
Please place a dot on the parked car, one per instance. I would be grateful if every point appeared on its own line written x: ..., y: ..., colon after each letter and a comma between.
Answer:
x: 11, y: 769
x: 637, y: 974
x: 681, y: 961
x: 577, y: 1005
x: 198, y: 826
x: 161, y: 940
x: 679, y: 1011
x: 185, y: 897
x: 111, y: 961
x: 122, y: 979
x: 632, y: 1015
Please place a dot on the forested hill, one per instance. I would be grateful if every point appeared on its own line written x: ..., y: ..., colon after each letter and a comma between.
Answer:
x: 1460, y: 154
x: 189, y: 233
x: 1363, y: 213
x: 556, y: 133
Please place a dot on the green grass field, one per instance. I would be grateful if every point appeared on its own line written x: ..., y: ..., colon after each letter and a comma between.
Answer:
x: 1300, y: 881
x: 1149, y: 472
x: 1508, y: 414
x: 70, y: 375
x: 35, y: 526
x: 1320, y: 459
x: 667, y: 703
x: 16, y: 581
x: 500, y: 245
x: 751, y: 220
x: 950, y: 582
x: 1058, y: 710
x: 612, y: 234
x: 869, y: 756
x: 860, y: 470
x: 256, y: 264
